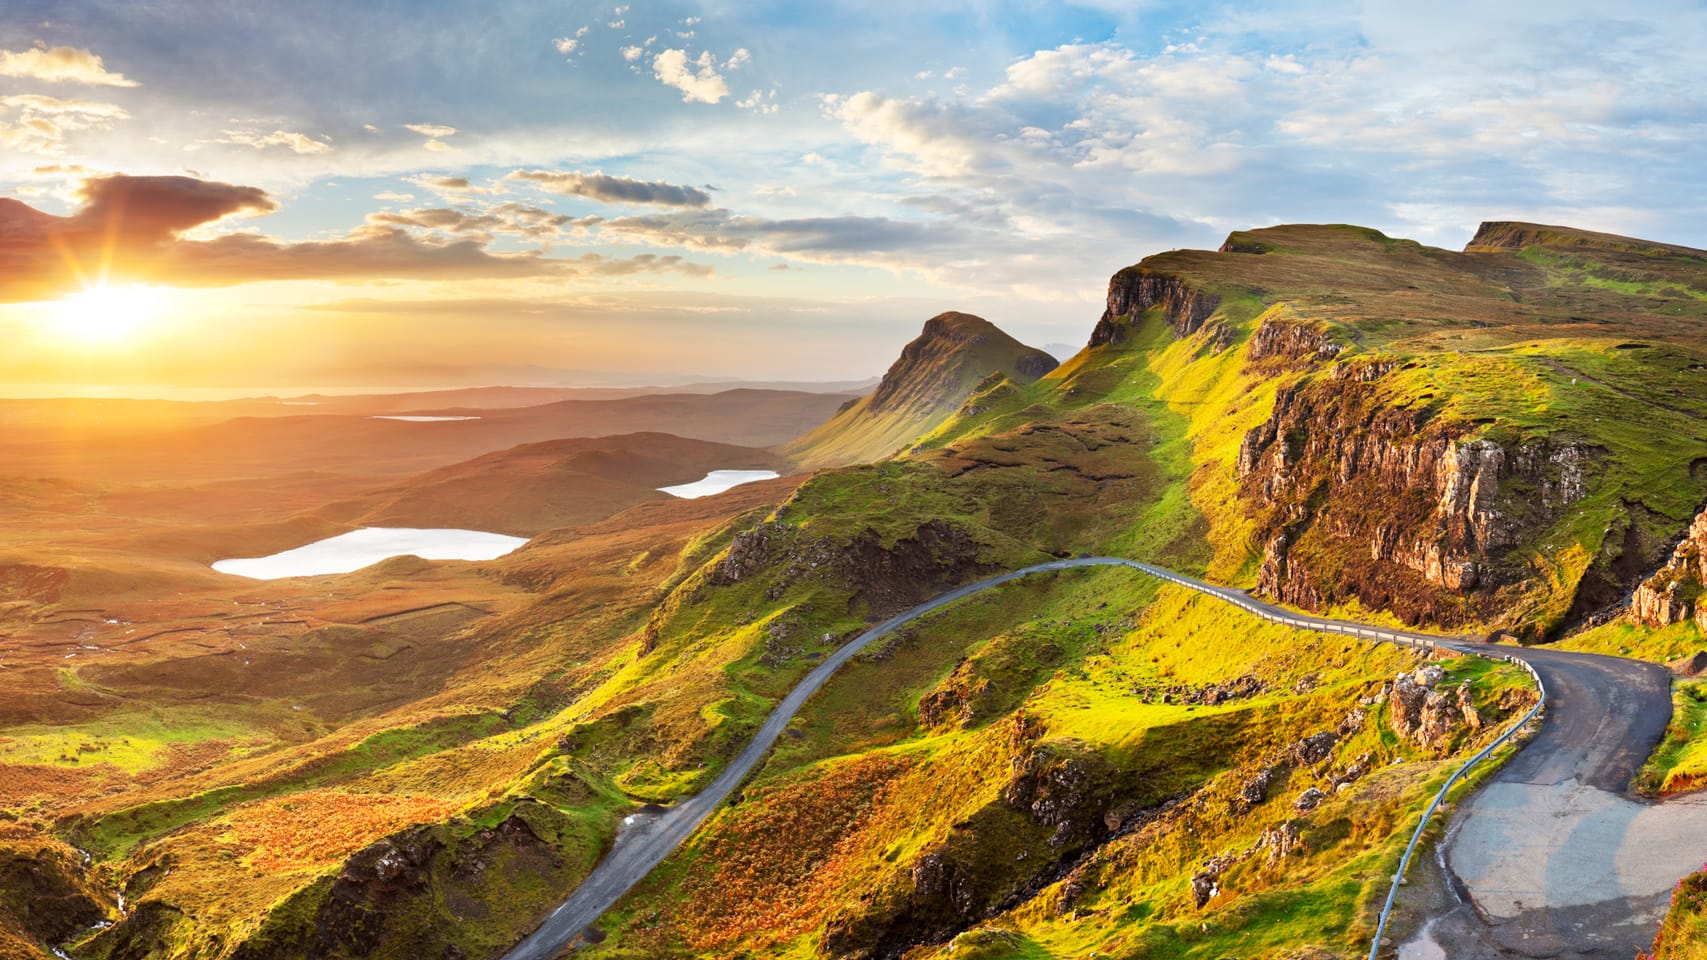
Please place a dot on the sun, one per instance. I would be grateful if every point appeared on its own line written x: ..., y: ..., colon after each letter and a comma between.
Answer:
x: 107, y: 314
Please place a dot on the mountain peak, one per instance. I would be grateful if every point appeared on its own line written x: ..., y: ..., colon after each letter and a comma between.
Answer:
x: 934, y: 375
x: 955, y: 350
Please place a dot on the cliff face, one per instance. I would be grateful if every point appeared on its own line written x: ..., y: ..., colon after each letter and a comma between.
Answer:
x: 1393, y: 505
x: 1136, y: 289
x: 1673, y: 593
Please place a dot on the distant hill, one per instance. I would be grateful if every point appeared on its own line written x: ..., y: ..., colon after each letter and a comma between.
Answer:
x: 540, y: 486
x: 935, y: 374
x: 259, y: 446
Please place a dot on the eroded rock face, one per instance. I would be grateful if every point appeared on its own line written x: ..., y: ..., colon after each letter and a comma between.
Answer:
x: 1136, y: 289
x: 1415, y: 514
x: 1291, y: 340
x: 1672, y: 594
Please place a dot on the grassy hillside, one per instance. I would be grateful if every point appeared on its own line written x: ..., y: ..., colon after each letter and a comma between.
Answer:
x: 1505, y: 438
x: 956, y: 355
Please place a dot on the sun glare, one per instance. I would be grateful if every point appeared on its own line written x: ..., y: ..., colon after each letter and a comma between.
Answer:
x: 106, y: 314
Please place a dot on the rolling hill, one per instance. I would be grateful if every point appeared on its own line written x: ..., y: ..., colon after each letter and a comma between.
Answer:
x: 535, y: 487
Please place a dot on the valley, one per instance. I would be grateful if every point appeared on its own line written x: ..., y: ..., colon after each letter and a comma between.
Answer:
x: 820, y: 712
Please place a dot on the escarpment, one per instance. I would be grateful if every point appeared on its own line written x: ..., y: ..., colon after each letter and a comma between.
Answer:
x: 1136, y: 289
x: 1394, y: 504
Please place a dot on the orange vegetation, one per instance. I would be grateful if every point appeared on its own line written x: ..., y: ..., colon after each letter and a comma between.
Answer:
x: 318, y: 828
x: 773, y: 865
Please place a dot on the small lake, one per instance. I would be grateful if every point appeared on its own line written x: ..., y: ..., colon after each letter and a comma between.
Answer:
x: 368, y: 546
x: 718, y: 481
x: 416, y: 419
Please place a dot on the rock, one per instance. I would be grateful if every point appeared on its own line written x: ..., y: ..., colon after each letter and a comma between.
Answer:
x: 1205, y: 883
x: 1353, y: 773
x: 1062, y: 786
x: 1671, y: 594
x: 1467, y: 708
x: 1315, y: 748
x: 1430, y: 675
x: 1309, y: 800
x: 1431, y: 717
x: 1255, y: 790
x: 957, y: 700
x: 1689, y: 666
x: 1282, y: 840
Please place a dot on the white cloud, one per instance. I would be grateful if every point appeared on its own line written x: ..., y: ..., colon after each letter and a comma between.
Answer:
x: 435, y: 134
x: 60, y: 65
x: 294, y: 142
x: 42, y: 123
x: 632, y: 54
x: 759, y: 101
x: 697, y: 79
x: 392, y: 196
x: 434, y: 130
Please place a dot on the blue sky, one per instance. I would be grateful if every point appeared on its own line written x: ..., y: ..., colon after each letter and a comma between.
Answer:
x: 790, y: 189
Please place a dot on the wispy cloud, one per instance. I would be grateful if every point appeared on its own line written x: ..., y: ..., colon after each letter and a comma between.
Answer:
x: 41, y: 124
x: 294, y: 142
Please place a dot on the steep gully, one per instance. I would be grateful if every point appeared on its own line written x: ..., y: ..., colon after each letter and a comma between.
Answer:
x: 1549, y: 859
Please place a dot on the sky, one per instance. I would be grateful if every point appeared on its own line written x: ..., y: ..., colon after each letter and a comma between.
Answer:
x: 431, y: 193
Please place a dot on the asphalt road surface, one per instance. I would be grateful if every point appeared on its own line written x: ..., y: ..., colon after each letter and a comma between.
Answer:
x: 1606, y: 715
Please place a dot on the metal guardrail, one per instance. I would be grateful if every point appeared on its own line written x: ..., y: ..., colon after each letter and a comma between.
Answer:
x: 1439, y: 798
x: 1243, y: 602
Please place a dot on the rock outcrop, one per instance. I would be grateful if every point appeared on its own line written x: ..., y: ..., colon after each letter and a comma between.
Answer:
x: 1672, y: 594
x: 1408, y: 510
x: 885, y: 578
x: 1136, y: 289
x: 1429, y: 716
x: 1291, y: 340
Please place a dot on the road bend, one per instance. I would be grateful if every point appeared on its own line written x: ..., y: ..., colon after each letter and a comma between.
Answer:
x: 1606, y: 714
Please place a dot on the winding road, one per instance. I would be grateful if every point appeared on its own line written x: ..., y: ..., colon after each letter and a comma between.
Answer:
x: 1605, y: 715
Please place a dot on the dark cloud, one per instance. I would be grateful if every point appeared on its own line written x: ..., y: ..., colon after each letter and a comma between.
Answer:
x: 608, y: 189
x: 151, y: 209
x: 131, y: 229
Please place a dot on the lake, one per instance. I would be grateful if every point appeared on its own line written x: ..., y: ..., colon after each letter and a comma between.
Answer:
x: 718, y: 481
x: 369, y: 545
